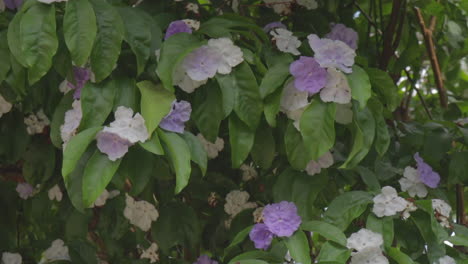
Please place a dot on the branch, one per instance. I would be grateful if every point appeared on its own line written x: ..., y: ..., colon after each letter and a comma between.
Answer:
x: 389, y: 33
x: 430, y: 47
x: 460, y: 204
x: 421, y: 98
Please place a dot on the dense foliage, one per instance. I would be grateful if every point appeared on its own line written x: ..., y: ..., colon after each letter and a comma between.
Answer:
x: 233, y: 131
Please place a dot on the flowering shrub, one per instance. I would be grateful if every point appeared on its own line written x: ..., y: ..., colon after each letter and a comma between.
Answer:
x: 233, y: 131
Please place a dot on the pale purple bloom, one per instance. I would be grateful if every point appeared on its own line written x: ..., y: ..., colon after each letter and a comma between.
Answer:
x: 175, y: 27
x: 25, y: 190
x: 345, y: 34
x: 332, y: 53
x: 261, y: 236
x: 179, y: 114
x: 281, y: 218
x: 13, y: 4
x: 111, y: 144
x: 202, y: 63
x: 428, y: 176
x: 308, y: 75
x: 204, y: 259
x: 268, y: 27
x: 82, y: 76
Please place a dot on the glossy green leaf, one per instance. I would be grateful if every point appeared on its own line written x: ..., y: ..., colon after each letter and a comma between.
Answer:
x: 295, y: 148
x: 156, y: 103
x: 138, y: 167
x: 334, y: 253
x: 239, y: 238
x: 79, y: 29
x: 369, y: 178
x: 275, y: 77
x: 326, y: 230
x: 382, y: 226
x: 4, y: 53
x: 58, y: 119
x: 97, y: 101
x: 299, y: 247
x: 272, y: 106
x: 153, y: 145
x: 346, y: 207
x: 399, y: 257
x: 382, y: 136
x: 14, y: 38
x: 208, y: 110
x: 74, y: 180
x: 241, y: 138
x: 197, y: 152
x: 126, y: 93
x: 219, y: 26
x: 385, y: 88
x: 264, y: 149
x: 458, y: 168
x: 360, y: 85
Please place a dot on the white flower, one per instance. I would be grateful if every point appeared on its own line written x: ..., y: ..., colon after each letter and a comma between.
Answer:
x: 192, y: 7
x: 2, y: 6
x: 410, y: 207
x: 443, y: 210
x: 332, y: 53
x: 235, y: 6
x: 212, y: 149
x: 258, y: 215
x: 344, y: 114
x: 127, y: 126
x: 194, y: 24
x: 337, y: 88
x: 282, y: 7
x: 292, y: 99
x: 151, y: 253
x: 309, y: 4
x: 183, y: 80
x: 325, y: 161
x: 5, y: 106
x: 55, y: 193
x: 51, y: 1
x: 64, y: 87
x: 446, y: 260
x: 369, y: 256
x: 363, y: 239
x: 105, y: 195
x: 412, y: 184
x: 71, y: 123
x: 285, y: 41
x: 11, y: 258
x: 140, y: 213
x: 35, y: 123
x: 248, y: 172
x: 237, y: 201
x: 296, y: 117
x: 388, y: 202
x: 231, y: 55
x: 57, y: 251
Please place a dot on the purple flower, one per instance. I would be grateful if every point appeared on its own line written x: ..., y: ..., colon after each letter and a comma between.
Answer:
x: 261, y: 236
x: 332, y: 53
x: 268, y: 27
x: 81, y: 75
x: 426, y: 174
x: 175, y: 27
x: 179, y: 114
x: 308, y: 74
x: 25, y: 190
x: 13, y: 4
x: 345, y: 34
x: 281, y: 218
x: 204, y: 259
x: 202, y: 63
x: 111, y: 144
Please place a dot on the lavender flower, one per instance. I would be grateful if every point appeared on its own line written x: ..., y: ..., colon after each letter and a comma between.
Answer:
x: 202, y: 63
x: 308, y: 74
x: 111, y: 144
x: 281, y: 218
x: 13, y: 4
x: 25, y: 190
x: 175, y: 27
x: 179, y: 114
x: 204, y: 259
x: 82, y: 76
x: 428, y: 176
x: 332, y: 53
x: 268, y: 27
x: 261, y: 236
x: 345, y: 34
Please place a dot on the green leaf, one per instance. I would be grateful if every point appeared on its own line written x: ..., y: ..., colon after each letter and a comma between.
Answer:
x: 38, y: 40
x: 137, y: 34
x: 208, y: 110
x: 97, y: 174
x: 107, y: 45
x: 299, y: 247
x: 58, y: 119
x: 333, y: 253
x: 145, y: 162
x: 458, y: 168
x: 97, y: 101
x: 347, y: 207
x: 179, y: 156
x: 4, y: 53
x: 14, y: 38
x: 173, y: 51
x: 38, y: 162
x: 398, y: 256
x: 82, y: 252
x: 197, y: 152
x: 241, y: 138
x: 238, y: 239
x: 295, y: 148
x: 220, y: 26
x: 360, y: 85
x: 272, y: 105
x: 151, y: 111
x: 263, y: 150
x: 382, y: 136
x: 79, y: 29
x: 275, y: 77
x: 425, y: 224
x: 126, y: 93
x: 385, y: 88
x: 75, y: 148
x: 369, y: 178
x: 326, y: 230
x: 459, y: 240
x: 382, y: 226
x: 153, y: 145
x: 318, y: 128
x: 74, y: 180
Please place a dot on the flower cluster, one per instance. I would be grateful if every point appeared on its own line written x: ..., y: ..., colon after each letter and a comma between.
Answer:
x: 236, y: 202
x: 5, y: 106
x: 442, y: 212
x: 35, y: 123
x: 105, y: 195
x: 140, y: 213
x: 325, y: 161
x: 25, y: 190
x: 151, y: 253
x: 55, y: 193
x: 248, y: 172
x: 81, y: 76
x: 388, y: 203
x: 11, y: 258
x: 57, y: 251
x: 212, y: 149
x: 428, y: 176
x: 367, y: 244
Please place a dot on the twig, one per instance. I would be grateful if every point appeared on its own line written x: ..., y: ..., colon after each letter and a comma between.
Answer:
x: 421, y: 98
x: 389, y: 33
x: 460, y: 204
x: 369, y: 19
x: 430, y: 47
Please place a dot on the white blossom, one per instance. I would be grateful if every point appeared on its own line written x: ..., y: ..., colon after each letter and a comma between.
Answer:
x: 412, y: 184
x: 235, y: 6
x: 35, y: 123
x: 258, y: 215
x: 388, y: 203
x: 410, y: 207
x: 231, y: 55
x: 51, y: 1
x: 309, y: 4
x: 105, y: 195
x: 2, y: 6
x: 5, y: 106
x: 285, y: 41
x: 446, y: 260
x: 369, y: 256
x: 192, y: 7
x: 55, y: 193
x: 292, y: 99
x: 282, y: 7
x: 296, y: 117
x: 248, y: 172
x: 57, y: 251
x: 72, y: 122
x: 194, y: 24
x: 325, y: 161
x: 140, y: 213
x: 337, y: 88
x: 442, y: 210
x: 64, y: 87
x: 212, y: 149
x: 183, y: 80
x: 237, y: 201
x: 344, y: 114
x: 11, y: 258
x: 363, y: 239
x: 128, y: 126
x: 332, y: 53
x: 151, y: 253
